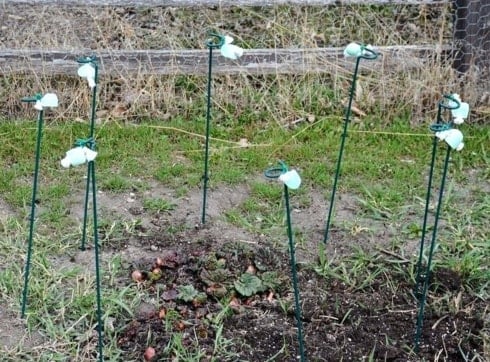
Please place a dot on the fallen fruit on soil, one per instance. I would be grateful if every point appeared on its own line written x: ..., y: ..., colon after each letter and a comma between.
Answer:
x: 155, y: 274
x: 159, y: 262
x: 137, y: 276
x: 251, y: 269
x: 149, y: 354
x: 162, y: 313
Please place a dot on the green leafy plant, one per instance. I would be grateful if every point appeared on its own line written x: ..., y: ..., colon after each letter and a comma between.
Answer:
x: 271, y: 280
x: 248, y: 285
x: 187, y: 293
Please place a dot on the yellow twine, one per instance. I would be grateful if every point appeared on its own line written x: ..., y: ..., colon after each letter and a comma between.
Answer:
x: 398, y: 133
x: 394, y: 133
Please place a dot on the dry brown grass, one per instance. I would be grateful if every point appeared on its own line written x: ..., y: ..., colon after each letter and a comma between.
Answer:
x: 282, y: 97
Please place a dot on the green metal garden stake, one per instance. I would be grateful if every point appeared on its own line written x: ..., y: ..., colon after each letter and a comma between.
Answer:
x: 420, y: 277
x: 359, y: 52
x: 454, y: 140
x: 292, y: 180
x: 97, y: 265
x: 89, y: 70
x: 82, y: 153
x: 426, y: 275
x: 231, y: 51
x: 213, y: 43
x: 49, y: 100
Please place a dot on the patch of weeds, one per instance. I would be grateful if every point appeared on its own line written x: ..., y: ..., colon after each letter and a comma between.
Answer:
x: 20, y: 196
x: 374, y: 204
x: 412, y: 230
x: 184, y: 351
x: 468, y: 260
x: 55, y: 213
x: 356, y: 227
x: 178, y: 175
x: 117, y: 233
x: 357, y: 271
x: 223, y: 347
x: 266, y: 191
x: 236, y: 217
x: 9, y: 282
x: 258, y: 214
x: 54, y: 192
x: 229, y: 172
x: 158, y: 205
x: 463, y: 244
x: 115, y: 183
x: 299, y: 237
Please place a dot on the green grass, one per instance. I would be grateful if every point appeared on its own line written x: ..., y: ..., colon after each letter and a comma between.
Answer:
x: 158, y: 205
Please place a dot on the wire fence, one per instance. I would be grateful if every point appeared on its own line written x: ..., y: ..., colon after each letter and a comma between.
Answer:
x: 471, y: 41
x: 428, y: 46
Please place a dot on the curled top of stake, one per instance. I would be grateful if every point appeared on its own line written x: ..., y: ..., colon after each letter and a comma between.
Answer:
x: 440, y: 127
x: 88, y: 59
x: 40, y: 102
x: 450, y: 101
x: 224, y: 43
x: 290, y: 179
x: 85, y: 142
x: 276, y: 171
x: 459, y: 111
x: 215, y: 40
x: 32, y: 99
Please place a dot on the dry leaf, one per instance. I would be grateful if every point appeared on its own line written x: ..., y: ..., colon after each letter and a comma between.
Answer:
x: 243, y: 142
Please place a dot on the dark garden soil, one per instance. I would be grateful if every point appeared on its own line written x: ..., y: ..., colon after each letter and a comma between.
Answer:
x: 195, y: 273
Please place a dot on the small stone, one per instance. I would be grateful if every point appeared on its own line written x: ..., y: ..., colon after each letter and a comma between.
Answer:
x: 154, y: 248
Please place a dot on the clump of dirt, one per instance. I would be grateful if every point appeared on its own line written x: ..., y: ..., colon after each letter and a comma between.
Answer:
x: 198, y: 280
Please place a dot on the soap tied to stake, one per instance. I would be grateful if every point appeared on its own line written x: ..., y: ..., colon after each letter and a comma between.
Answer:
x: 78, y: 156
x: 88, y: 71
x: 356, y: 50
x: 291, y: 179
x: 48, y: 100
x: 453, y: 137
x: 460, y: 113
x: 229, y: 50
